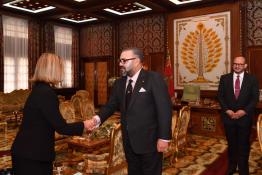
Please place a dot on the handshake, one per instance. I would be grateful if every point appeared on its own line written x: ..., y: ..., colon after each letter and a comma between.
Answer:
x: 91, y: 124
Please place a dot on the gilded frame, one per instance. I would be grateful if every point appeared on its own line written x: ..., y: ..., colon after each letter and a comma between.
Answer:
x: 202, y: 50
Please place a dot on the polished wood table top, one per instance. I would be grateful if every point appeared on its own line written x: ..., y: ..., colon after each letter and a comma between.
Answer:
x: 86, y: 142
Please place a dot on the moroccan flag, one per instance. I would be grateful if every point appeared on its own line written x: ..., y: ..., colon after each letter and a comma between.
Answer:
x: 169, y: 76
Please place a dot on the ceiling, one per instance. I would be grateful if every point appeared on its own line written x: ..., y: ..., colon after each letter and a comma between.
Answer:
x: 89, y: 11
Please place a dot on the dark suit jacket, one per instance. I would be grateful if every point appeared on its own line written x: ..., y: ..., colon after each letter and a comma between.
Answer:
x: 247, y: 100
x: 148, y: 116
x: 35, y: 138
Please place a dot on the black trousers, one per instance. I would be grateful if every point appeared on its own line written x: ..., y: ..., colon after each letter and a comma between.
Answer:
x: 142, y: 164
x: 23, y: 166
x: 238, y: 138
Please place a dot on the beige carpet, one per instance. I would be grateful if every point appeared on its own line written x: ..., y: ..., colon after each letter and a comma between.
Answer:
x: 200, y: 153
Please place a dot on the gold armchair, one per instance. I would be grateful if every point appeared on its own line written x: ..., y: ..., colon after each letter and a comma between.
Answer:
x: 67, y: 110
x: 3, y: 130
x: 111, y: 162
x: 259, y: 130
x: 171, y: 148
x: 84, y: 107
x: 180, y: 136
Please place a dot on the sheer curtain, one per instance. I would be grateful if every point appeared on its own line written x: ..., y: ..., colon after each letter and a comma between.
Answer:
x: 15, y: 44
x: 63, y: 48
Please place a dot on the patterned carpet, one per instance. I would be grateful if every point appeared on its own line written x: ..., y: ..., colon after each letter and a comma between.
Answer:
x: 255, y: 159
x: 200, y: 153
x: 198, y: 157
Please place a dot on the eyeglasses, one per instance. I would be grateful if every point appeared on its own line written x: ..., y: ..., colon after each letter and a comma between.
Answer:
x: 123, y: 61
x: 238, y: 64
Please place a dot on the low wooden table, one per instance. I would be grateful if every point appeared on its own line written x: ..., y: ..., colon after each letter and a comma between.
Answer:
x: 86, y: 145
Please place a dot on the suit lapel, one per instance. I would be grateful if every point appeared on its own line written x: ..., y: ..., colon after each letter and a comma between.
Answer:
x: 231, y: 85
x: 139, y: 83
x: 243, y: 85
x: 123, y: 86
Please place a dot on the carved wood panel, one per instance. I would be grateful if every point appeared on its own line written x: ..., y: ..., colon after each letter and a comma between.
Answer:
x: 155, y: 62
x: 101, y: 69
x: 90, y: 78
x: 146, y: 33
x: 95, y: 78
x: 255, y: 60
x: 254, y: 22
x: 206, y: 122
x: 96, y: 40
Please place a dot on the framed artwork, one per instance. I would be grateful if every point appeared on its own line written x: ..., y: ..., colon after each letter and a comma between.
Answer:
x: 202, y: 50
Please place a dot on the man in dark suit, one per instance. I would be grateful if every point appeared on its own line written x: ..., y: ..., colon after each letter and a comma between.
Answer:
x: 238, y: 95
x: 143, y: 100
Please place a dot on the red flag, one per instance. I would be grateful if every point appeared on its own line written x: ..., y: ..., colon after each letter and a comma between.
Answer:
x: 169, y: 76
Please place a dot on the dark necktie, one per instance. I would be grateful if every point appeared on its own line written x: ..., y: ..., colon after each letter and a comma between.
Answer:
x: 237, y: 87
x: 129, y: 90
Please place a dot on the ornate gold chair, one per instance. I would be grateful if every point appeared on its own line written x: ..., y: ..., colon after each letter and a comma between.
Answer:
x: 259, y: 130
x: 171, y: 148
x: 11, y: 105
x: 180, y: 136
x: 3, y: 130
x: 111, y: 162
x: 67, y: 110
x: 84, y: 107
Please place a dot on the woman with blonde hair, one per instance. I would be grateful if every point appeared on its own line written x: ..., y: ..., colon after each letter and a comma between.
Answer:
x: 33, y: 148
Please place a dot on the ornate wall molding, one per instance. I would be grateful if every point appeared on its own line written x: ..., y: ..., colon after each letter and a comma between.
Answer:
x: 146, y: 33
x: 96, y: 40
x: 254, y: 22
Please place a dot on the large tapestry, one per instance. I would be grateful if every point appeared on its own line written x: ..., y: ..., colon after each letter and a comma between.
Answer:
x: 201, y: 50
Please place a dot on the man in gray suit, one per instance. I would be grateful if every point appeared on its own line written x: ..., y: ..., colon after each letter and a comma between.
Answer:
x: 238, y: 95
x: 143, y: 100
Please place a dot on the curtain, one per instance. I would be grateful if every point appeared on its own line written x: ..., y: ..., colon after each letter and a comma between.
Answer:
x: 75, y: 56
x: 33, y: 45
x: 48, y: 38
x: 15, y: 39
x: 63, y: 48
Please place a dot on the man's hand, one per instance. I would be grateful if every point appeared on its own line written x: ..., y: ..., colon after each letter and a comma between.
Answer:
x: 90, y: 124
x: 162, y: 145
x: 240, y: 113
x: 230, y: 113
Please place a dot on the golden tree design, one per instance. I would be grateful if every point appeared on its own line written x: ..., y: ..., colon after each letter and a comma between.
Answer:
x: 201, y: 51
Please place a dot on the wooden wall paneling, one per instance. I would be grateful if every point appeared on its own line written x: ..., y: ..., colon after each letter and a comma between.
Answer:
x: 157, y: 62
x: 96, y: 40
x: 89, y: 77
x: 101, y: 74
x: 147, y: 62
x: 94, y: 77
x: 114, y: 70
x: 254, y: 22
x: 255, y: 60
x: 146, y: 33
